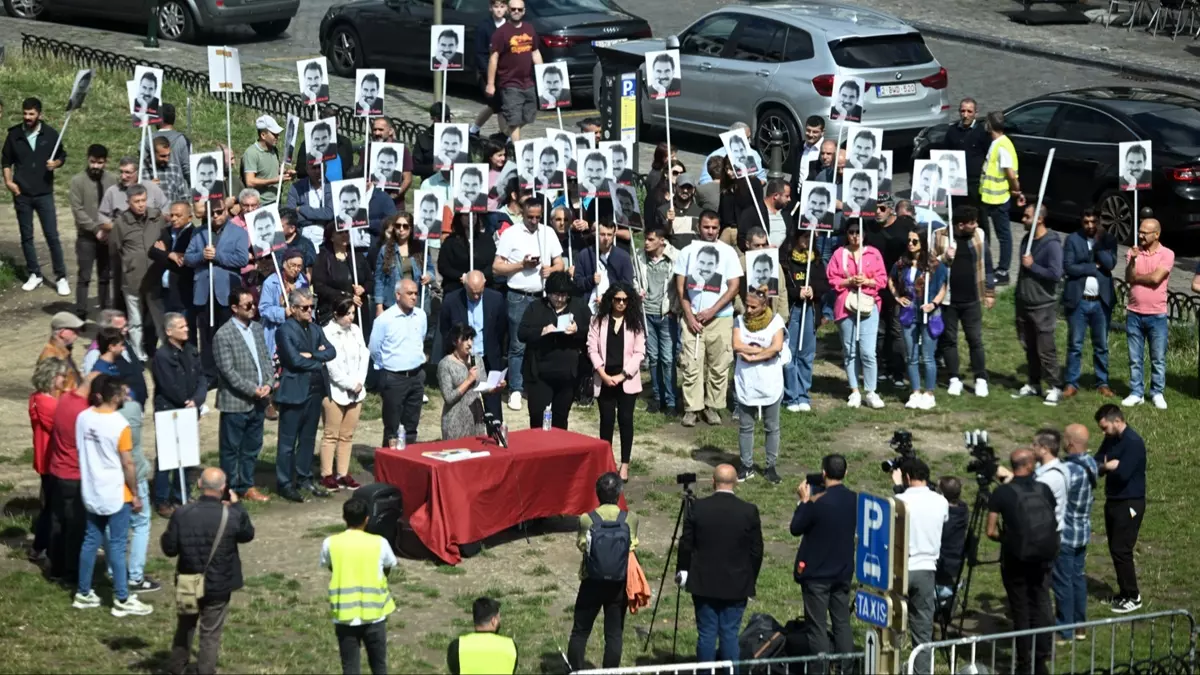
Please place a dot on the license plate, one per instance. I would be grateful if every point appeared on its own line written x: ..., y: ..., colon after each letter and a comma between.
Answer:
x: 609, y: 43
x: 889, y: 90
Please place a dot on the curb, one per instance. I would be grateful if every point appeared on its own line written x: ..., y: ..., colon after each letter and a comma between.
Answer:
x: 1031, y: 49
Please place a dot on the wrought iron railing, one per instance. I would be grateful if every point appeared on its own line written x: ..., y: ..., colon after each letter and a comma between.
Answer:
x: 1180, y: 306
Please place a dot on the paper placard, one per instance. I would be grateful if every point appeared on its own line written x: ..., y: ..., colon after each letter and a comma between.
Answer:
x: 494, y: 378
x: 177, y: 438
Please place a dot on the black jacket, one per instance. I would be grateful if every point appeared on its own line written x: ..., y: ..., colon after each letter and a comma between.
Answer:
x: 178, y: 377
x: 721, y: 547
x: 300, y: 375
x: 190, y: 535
x: 133, y: 374
x: 553, y: 354
x: 974, y: 142
x: 495, y: 323
x: 455, y: 260
x: 333, y: 280
x: 954, y: 537
x: 423, y: 154
x: 826, y: 527
x: 29, y: 164
x: 178, y: 294
x: 794, y: 271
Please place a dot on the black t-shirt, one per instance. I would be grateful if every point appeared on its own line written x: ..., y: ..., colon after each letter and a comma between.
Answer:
x: 963, y: 288
x: 614, y: 357
x: 1005, y: 501
x: 892, y: 241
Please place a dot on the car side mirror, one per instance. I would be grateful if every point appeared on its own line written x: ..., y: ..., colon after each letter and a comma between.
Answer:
x: 673, y: 42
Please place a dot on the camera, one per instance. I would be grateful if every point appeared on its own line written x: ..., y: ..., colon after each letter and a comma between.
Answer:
x: 901, y: 444
x: 685, y: 479
x: 984, y: 462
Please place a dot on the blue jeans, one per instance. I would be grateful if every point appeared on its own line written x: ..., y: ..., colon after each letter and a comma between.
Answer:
x: 717, y: 619
x: 1001, y: 229
x: 797, y: 374
x: 517, y: 303
x: 139, y: 523
x: 117, y: 527
x: 43, y: 205
x: 297, y: 441
x: 240, y: 441
x: 864, y: 351
x: 1137, y: 328
x: 1088, y: 314
x: 660, y: 356
x: 1070, y: 587
x: 919, y: 349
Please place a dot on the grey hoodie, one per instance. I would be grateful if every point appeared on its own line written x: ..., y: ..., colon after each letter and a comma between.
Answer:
x: 1037, y: 285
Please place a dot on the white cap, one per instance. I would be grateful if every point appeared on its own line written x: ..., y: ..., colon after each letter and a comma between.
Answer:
x: 268, y: 123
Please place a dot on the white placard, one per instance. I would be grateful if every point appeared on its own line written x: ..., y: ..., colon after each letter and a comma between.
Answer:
x: 265, y: 229
x: 848, y: 94
x: 553, y: 85
x: 526, y: 161
x: 177, y: 438
x: 863, y: 147
x: 368, y: 92
x: 885, y: 175
x: 208, y: 175
x: 1135, y: 160
x: 79, y: 90
x: 147, y: 99
x: 313, y: 76
x: 663, y: 72
x: 859, y: 190
x: 469, y: 188
x: 622, y: 160
x: 450, y: 145
x: 550, y: 165
x: 446, y: 47
x: 595, y: 173
x: 762, y: 269
x: 320, y: 140
x: 291, y: 136
x: 349, y: 203
x: 387, y: 165
x: 737, y: 149
x: 953, y: 164
x: 429, y: 205
x: 928, y: 184
x: 817, y: 203
x: 224, y: 69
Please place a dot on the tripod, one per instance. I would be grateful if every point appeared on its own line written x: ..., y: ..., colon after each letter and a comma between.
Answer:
x: 970, y: 558
x: 685, y: 505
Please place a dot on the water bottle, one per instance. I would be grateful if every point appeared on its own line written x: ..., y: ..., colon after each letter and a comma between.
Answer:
x: 400, y: 441
x: 546, y: 419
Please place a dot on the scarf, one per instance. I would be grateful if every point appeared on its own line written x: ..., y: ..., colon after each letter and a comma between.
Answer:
x: 757, y: 323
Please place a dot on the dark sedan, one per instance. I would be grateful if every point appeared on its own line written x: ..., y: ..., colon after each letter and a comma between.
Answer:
x: 393, y: 34
x: 1085, y: 125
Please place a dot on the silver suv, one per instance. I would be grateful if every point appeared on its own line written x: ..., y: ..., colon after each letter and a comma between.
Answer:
x: 772, y: 65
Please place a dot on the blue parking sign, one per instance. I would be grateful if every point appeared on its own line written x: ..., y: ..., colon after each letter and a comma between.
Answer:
x: 873, y: 557
x: 628, y: 84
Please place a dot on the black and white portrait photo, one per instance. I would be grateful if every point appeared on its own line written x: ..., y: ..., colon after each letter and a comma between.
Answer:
x: 148, y: 99
x: 320, y: 139
x: 449, y: 145
x: 662, y: 74
x: 387, y: 163
x: 314, y: 80
x: 564, y: 143
x: 553, y: 85
x: 549, y: 165
x: 1134, y: 158
x: 885, y: 175
x: 265, y: 230
x: 848, y: 93
x: 817, y: 205
x: 706, y: 271
x: 526, y: 160
x: 737, y: 149
x: 446, y: 47
x: 762, y: 269
x: 291, y: 136
x: 626, y: 211
x: 863, y: 147
x: 368, y: 92
x: 224, y: 70
x: 595, y: 173
x: 928, y: 188
x: 622, y: 160
x: 953, y: 164
x: 468, y: 185
x: 208, y: 175
x: 349, y: 203
x: 79, y: 90
x: 858, y: 192
x: 428, y: 205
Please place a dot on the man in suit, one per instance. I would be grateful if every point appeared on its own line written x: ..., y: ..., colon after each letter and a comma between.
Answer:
x: 847, y: 106
x: 825, y: 560
x: 1134, y: 174
x: 369, y: 102
x: 447, y: 53
x: 246, y: 378
x: 554, y: 94
x: 471, y: 194
x: 172, y: 279
x: 663, y: 82
x: 862, y: 151
x: 484, y: 310
x: 312, y: 86
x: 349, y: 213
x: 230, y: 254
x: 617, y: 264
x: 1089, y: 255
x: 303, y: 352
x: 720, y: 553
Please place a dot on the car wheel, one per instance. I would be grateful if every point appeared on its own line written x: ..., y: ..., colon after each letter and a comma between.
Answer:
x: 25, y: 9
x: 345, y: 51
x: 773, y: 119
x: 1116, y: 215
x: 175, y: 21
x: 271, y: 29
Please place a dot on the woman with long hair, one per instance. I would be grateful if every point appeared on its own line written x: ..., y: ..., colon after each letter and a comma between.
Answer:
x: 399, y: 258
x: 458, y: 375
x: 758, y: 345
x: 658, y: 166
x: 554, y: 330
x: 919, y: 315
x: 454, y: 262
x: 616, y: 345
x: 856, y: 272
x: 49, y: 382
x: 333, y: 276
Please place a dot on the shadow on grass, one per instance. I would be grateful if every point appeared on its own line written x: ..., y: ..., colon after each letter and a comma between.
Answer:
x: 23, y: 506
x: 157, y: 662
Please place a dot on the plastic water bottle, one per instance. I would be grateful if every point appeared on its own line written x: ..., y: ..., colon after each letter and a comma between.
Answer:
x: 400, y: 442
x: 546, y: 419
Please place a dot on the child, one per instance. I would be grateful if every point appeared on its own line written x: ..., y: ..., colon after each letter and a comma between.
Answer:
x: 954, y: 537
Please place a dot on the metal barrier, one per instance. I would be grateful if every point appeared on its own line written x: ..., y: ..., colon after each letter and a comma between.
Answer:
x: 1143, y: 652
x: 1180, y: 306
x: 852, y: 662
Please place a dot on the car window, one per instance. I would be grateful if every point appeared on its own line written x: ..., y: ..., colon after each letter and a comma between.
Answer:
x: 1031, y: 120
x: 565, y: 7
x: 709, y: 36
x: 799, y: 45
x: 1172, y: 128
x: 1088, y: 125
x: 760, y: 40
x: 881, y: 51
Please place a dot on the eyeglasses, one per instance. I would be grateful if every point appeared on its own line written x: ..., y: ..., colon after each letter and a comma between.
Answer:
x: 914, y: 241
x: 516, y: 10
x: 676, y: 173
x: 621, y: 299
x: 246, y: 305
x: 303, y: 308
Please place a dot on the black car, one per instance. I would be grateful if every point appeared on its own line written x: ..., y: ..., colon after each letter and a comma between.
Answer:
x: 1086, y: 125
x: 394, y: 34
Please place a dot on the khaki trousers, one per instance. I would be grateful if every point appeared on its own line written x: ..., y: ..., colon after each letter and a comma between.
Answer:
x: 704, y: 365
x: 340, y: 422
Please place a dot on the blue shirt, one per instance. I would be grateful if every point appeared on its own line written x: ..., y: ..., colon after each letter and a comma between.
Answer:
x: 1081, y: 478
x: 398, y: 339
x: 475, y: 319
x: 248, y: 336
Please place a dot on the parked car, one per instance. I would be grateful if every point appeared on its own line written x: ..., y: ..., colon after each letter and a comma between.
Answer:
x: 1085, y: 125
x: 772, y: 66
x: 181, y: 20
x: 367, y: 33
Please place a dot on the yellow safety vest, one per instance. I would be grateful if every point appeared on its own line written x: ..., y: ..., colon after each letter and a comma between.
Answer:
x: 993, y: 184
x: 486, y: 654
x: 357, y: 589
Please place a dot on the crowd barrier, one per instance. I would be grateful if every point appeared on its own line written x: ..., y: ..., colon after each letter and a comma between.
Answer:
x: 851, y: 662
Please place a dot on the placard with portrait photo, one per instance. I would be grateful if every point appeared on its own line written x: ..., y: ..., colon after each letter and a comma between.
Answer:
x: 953, y: 164
x: 79, y: 90
x: 737, y: 149
x: 147, y: 99
x: 350, y: 199
x: 208, y: 175
x: 817, y: 204
x: 925, y: 217
x: 139, y: 119
x: 859, y: 190
x: 450, y: 145
x: 863, y: 145
x: 313, y: 75
x: 549, y: 165
x: 428, y: 207
x: 885, y: 175
x: 707, y: 268
x: 626, y: 211
x: 663, y: 72
x: 526, y: 160
x: 446, y: 45
x: 500, y: 185
x: 564, y: 143
x: 368, y: 92
x: 265, y: 230
x: 928, y: 184
x: 224, y: 70
x: 595, y: 172
x: 1135, y: 160
x: 320, y: 138
x: 622, y: 160
x: 469, y: 188
x: 387, y: 165
x: 553, y: 85
x: 291, y: 136
x: 847, y: 102
x: 762, y: 269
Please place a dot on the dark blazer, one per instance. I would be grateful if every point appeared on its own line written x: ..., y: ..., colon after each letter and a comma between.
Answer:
x: 178, y: 294
x: 495, y: 323
x: 619, y: 267
x: 178, y: 377
x: 1080, y: 263
x: 455, y: 260
x: 826, y: 527
x: 721, y: 547
x: 191, y: 535
x: 297, y: 372
x: 974, y: 141
x: 29, y: 164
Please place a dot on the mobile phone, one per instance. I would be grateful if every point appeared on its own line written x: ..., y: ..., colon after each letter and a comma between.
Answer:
x: 816, y: 481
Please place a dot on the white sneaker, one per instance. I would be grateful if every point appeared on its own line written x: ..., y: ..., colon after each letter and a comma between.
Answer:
x: 855, y: 400
x: 514, y: 401
x: 1159, y: 401
x: 873, y: 400
x: 64, y: 288
x: 802, y: 407
x: 956, y: 387
x: 1132, y: 400
x: 1053, y: 396
x: 981, y: 388
x: 928, y: 402
x: 795, y: 407
x: 89, y: 601
x: 914, y: 401
x: 33, y: 282
x: 424, y: 398
x: 1027, y: 390
x: 131, y: 607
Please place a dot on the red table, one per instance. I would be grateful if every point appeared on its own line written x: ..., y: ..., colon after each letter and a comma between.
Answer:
x: 540, y: 474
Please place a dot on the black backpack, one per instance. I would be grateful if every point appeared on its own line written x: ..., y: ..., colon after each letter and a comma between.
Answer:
x: 608, y: 554
x: 1034, y: 536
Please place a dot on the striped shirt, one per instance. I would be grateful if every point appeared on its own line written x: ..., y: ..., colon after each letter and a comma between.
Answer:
x: 1081, y: 479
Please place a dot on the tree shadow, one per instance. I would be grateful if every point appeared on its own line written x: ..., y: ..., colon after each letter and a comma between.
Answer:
x: 157, y: 662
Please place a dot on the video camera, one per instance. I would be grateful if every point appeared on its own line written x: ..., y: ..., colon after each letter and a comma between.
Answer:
x: 984, y: 462
x: 901, y: 444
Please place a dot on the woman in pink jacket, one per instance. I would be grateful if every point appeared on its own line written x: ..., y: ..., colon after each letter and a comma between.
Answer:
x: 616, y: 345
x: 857, y: 273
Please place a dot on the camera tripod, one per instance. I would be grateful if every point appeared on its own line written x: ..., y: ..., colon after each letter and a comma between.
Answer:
x: 685, y: 505
x: 970, y: 556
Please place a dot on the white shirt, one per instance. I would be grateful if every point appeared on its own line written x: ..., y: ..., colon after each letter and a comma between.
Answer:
x: 728, y: 266
x: 387, y: 560
x: 927, y: 512
x: 1005, y: 159
x: 518, y: 242
x: 761, y: 382
x: 1090, y: 285
x: 1054, y: 476
x: 776, y: 229
x: 349, y: 367
x: 101, y: 437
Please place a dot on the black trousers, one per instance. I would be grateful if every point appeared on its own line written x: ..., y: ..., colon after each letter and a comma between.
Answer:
x: 616, y: 407
x: 556, y: 392
x: 402, y: 395
x: 1122, y: 522
x: 889, y: 348
x: 971, y: 316
x: 207, y: 329
x: 351, y: 640
x: 1035, y: 330
x: 1028, y: 589
x: 211, y: 623
x: 90, y: 252
x: 823, y: 598
x: 66, y: 530
x: 43, y: 526
x: 592, y: 597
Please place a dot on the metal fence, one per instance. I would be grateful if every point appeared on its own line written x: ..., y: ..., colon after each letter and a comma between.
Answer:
x: 853, y: 662
x: 1180, y: 306
x: 1159, y: 642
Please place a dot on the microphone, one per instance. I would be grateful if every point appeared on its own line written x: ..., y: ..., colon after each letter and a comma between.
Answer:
x: 495, y: 429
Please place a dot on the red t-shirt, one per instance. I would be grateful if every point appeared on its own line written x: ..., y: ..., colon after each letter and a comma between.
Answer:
x: 41, y: 418
x: 64, y: 456
x: 514, y: 69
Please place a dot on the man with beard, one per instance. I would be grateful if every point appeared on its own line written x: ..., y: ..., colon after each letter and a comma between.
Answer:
x: 554, y: 95
x: 349, y: 213
x: 663, y: 82
x: 170, y: 178
x: 450, y: 150
x: 447, y: 55
x: 312, y: 85
x: 971, y: 288
x: 860, y: 203
x: 771, y: 214
x: 260, y: 162
x: 369, y: 101
x: 471, y: 195
x: 91, y: 240
x: 29, y: 176
x: 1089, y: 255
x: 863, y: 151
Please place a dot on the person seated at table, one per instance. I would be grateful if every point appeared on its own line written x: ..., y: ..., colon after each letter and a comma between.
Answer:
x: 553, y: 329
x: 458, y: 375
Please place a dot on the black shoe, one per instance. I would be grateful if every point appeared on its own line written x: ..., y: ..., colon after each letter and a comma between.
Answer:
x: 772, y: 476
x: 1001, y: 279
x: 292, y: 495
x: 652, y: 407
x: 317, y: 490
x: 744, y: 473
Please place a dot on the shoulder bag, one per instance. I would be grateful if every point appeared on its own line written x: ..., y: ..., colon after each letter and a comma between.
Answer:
x: 189, y: 588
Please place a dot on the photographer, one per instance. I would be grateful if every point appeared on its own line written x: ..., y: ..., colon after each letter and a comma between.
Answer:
x: 926, y: 512
x: 954, y: 538
x: 825, y: 559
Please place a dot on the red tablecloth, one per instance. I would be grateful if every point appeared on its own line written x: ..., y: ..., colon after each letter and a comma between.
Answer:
x: 540, y: 474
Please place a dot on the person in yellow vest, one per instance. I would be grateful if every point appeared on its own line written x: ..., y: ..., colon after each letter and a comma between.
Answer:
x: 359, y: 599
x: 485, y: 651
x: 998, y: 184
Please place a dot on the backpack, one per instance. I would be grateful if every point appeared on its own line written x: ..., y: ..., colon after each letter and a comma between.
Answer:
x: 608, y: 552
x: 1034, y: 537
x: 762, y: 638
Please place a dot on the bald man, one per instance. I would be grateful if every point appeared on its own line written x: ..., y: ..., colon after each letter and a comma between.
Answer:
x: 1148, y: 272
x: 485, y: 310
x: 720, y: 553
x: 1037, y: 306
x: 1069, y: 581
x: 1029, y: 547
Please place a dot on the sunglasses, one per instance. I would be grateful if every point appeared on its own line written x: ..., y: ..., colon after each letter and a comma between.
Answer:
x: 303, y: 308
x: 246, y: 305
x: 516, y: 10
x: 621, y: 299
x: 676, y: 173
x: 914, y: 241
x: 404, y: 226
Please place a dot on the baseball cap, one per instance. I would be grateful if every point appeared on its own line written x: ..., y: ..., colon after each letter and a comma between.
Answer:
x: 63, y: 320
x: 685, y: 179
x: 268, y: 123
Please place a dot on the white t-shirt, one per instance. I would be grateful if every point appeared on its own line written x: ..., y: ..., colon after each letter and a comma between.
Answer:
x: 926, y: 512
x: 760, y: 382
x: 776, y: 229
x: 1090, y: 285
x: 518, y: 242
x: 1054, y: 476
x: 707, y: 267
x: 101, y: 437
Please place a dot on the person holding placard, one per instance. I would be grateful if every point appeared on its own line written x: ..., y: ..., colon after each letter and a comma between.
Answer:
x: 116, y: 200
x: 454, y: 261
x: 272, y: 306
x: 514, y: 52
x: 616, y: 263
x: 1037, y: 305
x: 29, y: 176
x: 334, y: 278
x: 343, y: 401
x: 179, y: 382
x: 181, y: 150
x: 260, y: 162
x: 653, y: 273
x: 760, y: 268
x: 223, y: 256
x: 804, y: 276
x: 311, y: 198
x: 970, y: 290
x: 773, y: 214
x: 399, y: 258
x: 918, y: 283
x: 167, y: 174
x: 856, y: 272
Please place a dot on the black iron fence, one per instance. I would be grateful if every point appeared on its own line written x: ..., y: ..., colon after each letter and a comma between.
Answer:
x: 1180, y: 306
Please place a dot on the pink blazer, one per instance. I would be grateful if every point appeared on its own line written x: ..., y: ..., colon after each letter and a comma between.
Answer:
x: 635, y: 351
x: 837, y: 274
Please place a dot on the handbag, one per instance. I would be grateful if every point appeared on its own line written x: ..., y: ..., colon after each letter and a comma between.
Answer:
x: 936, y: 324
x: 189, y: 588
x: 858, y: 302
